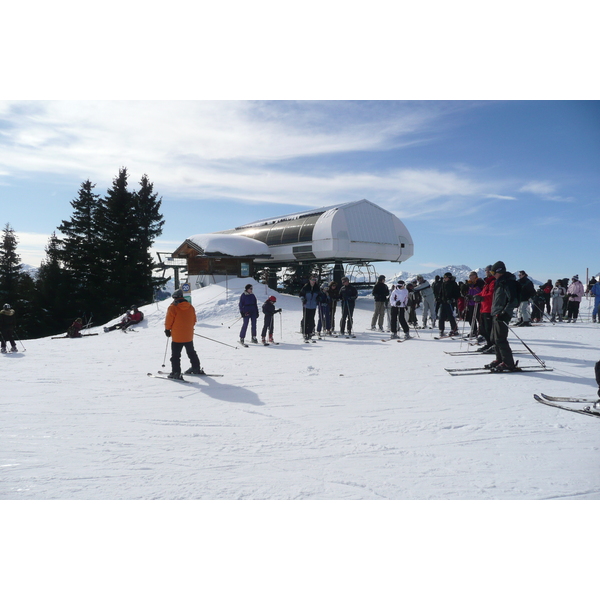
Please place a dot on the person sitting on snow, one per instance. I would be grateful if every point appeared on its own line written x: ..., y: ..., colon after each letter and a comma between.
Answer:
x: 133, y: 317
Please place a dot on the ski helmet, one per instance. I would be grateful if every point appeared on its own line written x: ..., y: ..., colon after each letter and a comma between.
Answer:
x: 272, y: 299
x: 6, y: 307
x: 133, y: 307
x: 177, y: 294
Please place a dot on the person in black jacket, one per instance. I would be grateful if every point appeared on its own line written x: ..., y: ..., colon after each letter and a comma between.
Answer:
x: 381, y: 293
x: 348, y: 296
x: 526, y: 291
x: 505, y: 301
x: 7, y: 327
x: 269, y: 310
x: 448, y: 295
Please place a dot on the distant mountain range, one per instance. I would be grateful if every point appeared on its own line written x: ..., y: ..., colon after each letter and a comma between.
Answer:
x: 461, y: 272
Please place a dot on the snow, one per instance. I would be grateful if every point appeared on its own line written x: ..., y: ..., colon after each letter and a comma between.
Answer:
x: 230, y: 245
x: 342, y: 419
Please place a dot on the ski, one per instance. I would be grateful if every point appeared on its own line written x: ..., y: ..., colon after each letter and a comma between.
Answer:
x: 194, y: 374
x: 566, y: 399
x: 66, y: 337
x: 484, y: 371
x: 473, y: 353
x: 243, y: 344
x: 581, y: 411
x: 169, y: 379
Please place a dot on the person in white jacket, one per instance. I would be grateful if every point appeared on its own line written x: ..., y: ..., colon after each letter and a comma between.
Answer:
x: 574, y: 293
x: 398, y: 303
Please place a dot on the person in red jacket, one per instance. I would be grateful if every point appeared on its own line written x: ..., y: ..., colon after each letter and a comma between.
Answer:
x: 179, y: 326
x: 485, y: 298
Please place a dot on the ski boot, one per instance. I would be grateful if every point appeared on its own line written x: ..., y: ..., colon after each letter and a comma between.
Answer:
x: 271, y: 340
x: 504, y: 368
x: 407, y: 336
x: 175, y: 375
x: 192, y: 371
x: 394, y: 336
x: 254, y: 340
x: 492, y: 365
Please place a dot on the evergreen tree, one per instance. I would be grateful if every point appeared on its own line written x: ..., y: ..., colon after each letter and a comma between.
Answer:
x: 53, y: 309
x: 78, y: 252
x: 149, y: 226
x: 10, y: 267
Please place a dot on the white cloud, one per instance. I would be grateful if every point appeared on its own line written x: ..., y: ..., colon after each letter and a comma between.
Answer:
x: 541, y: 188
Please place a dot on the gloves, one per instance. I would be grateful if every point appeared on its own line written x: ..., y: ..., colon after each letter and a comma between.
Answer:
x: 398, y: 303
x: 168, y: 332
x: 279, y: 310
x: 477, y: 299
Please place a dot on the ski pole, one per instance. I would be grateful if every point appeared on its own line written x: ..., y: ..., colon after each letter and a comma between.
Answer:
x: 165, y: 356
x: 281, y: 327
x: 217, y: 341
x: 230, y: 326
x: 528, y: 348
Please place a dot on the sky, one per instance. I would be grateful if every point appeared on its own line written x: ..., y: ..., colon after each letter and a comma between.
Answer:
x: 481, y: 132
x: 474, y: 181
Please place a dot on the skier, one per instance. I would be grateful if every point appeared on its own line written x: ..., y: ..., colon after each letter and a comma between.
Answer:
x: 310, y: 298
x: 74, y: 331
x: 398, y: 303
x: 249, y: 310
x: 486, y: 298
x: 428, y: 298
x: 449, y: 293
x: 475, y: 286
x: 595, y: 291
x: 557, y: 296
x: 179, y: 326
x: 7, y: 327
x: 505, y: 301
x: 380, y: 293
x: 334, y: 296
x: 132, y: 317
x: 269, y: 310
x: 574, y: 293
x: 526, y: 293
x: 348, y: 296
x: 324, y: 312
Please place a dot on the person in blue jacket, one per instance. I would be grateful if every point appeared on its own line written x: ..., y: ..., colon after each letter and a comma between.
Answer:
x: 595, y: 291
x: 309, y: 295
x: 249, y: 310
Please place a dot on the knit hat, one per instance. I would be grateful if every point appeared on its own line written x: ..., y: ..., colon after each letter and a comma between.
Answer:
x: 448, y: 274
x: 575, y: 277
x: 177, y: 294
x: 499, y: 267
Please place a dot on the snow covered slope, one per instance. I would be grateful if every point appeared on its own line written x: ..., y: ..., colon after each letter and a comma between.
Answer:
x: 339, y: 419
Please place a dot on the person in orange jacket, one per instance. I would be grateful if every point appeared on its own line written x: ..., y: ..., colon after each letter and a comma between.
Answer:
x: 179, y: 326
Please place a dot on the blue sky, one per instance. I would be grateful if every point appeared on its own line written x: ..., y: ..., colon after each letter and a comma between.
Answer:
x: 474, y: 181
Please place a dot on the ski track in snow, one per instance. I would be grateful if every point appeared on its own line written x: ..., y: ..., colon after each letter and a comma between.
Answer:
x: 339, y: 419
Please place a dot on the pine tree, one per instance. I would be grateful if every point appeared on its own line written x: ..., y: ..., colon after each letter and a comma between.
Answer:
x: 149, y: 226
x: 79, y: 251
x: 10, y: 267
x: 53, y: 292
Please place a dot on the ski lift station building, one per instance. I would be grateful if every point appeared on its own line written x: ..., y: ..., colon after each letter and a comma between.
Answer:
x: 353, y: 233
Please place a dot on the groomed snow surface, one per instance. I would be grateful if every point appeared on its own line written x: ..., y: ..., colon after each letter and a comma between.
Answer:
x: 346, y: 419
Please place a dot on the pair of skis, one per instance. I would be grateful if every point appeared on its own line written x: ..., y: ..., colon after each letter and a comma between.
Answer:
x: 555, y: 400
x: 164, y: 375
x: 487, y: 371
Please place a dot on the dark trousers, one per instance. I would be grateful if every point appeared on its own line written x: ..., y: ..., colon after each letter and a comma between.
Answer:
x: 446, y: 314
x: 347, y: 312
x: 8, y: 336
x: 176, y: 348
x: 500, y: 340
x: 324, y: 318
x: 308, y: 323
x: 397, y: 314
x: 267, y: 326
x: 572, y: 310
x: 486, y: 328
x: 248, y: 319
